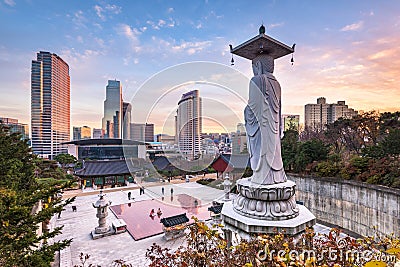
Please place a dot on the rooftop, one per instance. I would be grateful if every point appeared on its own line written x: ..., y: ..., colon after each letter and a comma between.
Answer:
x: 97, y: 168
x: 104, y: 142
x: 175, y: 220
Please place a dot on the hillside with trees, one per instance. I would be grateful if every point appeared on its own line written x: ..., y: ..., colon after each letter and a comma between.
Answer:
x: 365, y: 148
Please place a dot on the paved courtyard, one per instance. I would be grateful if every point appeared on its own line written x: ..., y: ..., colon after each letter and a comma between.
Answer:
x: 78, y: 225
x: 103, y: 251
x: 141, y: 225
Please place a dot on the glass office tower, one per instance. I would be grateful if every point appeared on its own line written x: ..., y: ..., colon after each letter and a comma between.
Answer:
x: 50, y: 105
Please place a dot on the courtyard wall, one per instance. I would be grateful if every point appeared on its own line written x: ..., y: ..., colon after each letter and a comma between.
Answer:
x: 356, y: 206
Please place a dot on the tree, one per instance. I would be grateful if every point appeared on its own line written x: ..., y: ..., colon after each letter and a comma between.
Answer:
x: 391, y: 144
x: 289, y: 149
x: 65, y: 159
x: 25, y: 205
x: 389, y: 121
x: 350, y: 136
x: 45, y: 168
x: 310, y: 151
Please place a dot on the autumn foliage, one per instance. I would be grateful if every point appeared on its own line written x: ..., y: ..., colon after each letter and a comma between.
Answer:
x: 206, y: 247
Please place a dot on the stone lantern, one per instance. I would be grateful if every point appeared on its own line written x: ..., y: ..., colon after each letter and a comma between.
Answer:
x: 227, y: 187
x: 103, y: 229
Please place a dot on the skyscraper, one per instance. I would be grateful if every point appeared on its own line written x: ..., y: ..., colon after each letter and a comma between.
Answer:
x: 142, y: 132
x: 76, y: 133
x: 111, y: 123
x: 126, y: 118
x: 149, y: 132
x: 189, y: 125
x: 16, y: 127
x: 97, y: 133
x: 50, y: 105
x: 79, y: 133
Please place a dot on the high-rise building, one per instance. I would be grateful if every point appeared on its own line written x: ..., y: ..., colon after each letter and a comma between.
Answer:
x: 239, y: 140
x: 317, y: 116
x: 80, y: 133
x: 176, y: 129
x: 189, y: 125
x: 340, y: 110
x: 111, y: 123
x: 165, y: 138
x: 137, y: 131
x: 149, y: 132
x: 76, y: 133
x: 142, y: 132
x: 126, y: 118
x: 50, y: 105
x: 291, y: 122
x: 86, y: 132
x: 15, y: 127
x: 97, y: 133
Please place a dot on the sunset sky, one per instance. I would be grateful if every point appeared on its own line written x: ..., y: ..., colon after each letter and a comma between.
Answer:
x: 345, y: 50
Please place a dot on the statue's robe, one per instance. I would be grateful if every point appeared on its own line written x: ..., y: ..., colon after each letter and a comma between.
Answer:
x: 264, y: 129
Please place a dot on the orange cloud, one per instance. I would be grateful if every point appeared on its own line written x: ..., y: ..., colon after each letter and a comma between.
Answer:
x: 363, y: 73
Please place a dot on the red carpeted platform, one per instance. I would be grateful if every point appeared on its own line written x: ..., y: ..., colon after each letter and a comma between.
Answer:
x: 140, y: 225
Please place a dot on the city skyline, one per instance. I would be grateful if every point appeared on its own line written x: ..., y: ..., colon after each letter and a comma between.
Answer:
x: 345, y: 51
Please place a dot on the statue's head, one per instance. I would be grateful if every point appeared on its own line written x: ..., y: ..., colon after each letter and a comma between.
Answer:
x: 263, y: 64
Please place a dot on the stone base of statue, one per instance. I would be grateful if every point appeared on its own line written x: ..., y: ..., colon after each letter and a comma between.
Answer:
x: 246, y: 226
x: 266, y: 209
x: 99, y: 233
x: 266, y: 202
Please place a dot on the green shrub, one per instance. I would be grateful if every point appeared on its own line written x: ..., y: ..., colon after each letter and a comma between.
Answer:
x: 327, y: 169
x: 205, y: 181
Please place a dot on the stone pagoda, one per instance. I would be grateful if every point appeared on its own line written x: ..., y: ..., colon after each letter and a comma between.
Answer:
x: 266, y: 200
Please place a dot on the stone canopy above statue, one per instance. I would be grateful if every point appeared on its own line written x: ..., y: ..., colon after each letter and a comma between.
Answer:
x: 262, y: 44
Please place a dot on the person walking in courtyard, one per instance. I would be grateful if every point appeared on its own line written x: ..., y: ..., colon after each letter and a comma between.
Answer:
x: 141, y: 190
x: 162, y: 190
x: 129, y: 195
x: 172, y: 191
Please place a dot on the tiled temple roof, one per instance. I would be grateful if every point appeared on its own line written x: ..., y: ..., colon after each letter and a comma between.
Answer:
x: 174, y: 220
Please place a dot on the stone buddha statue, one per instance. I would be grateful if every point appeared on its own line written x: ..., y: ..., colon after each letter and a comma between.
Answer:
x: 264, y: 124
x: 267, y: 194
x: 266, y: 201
